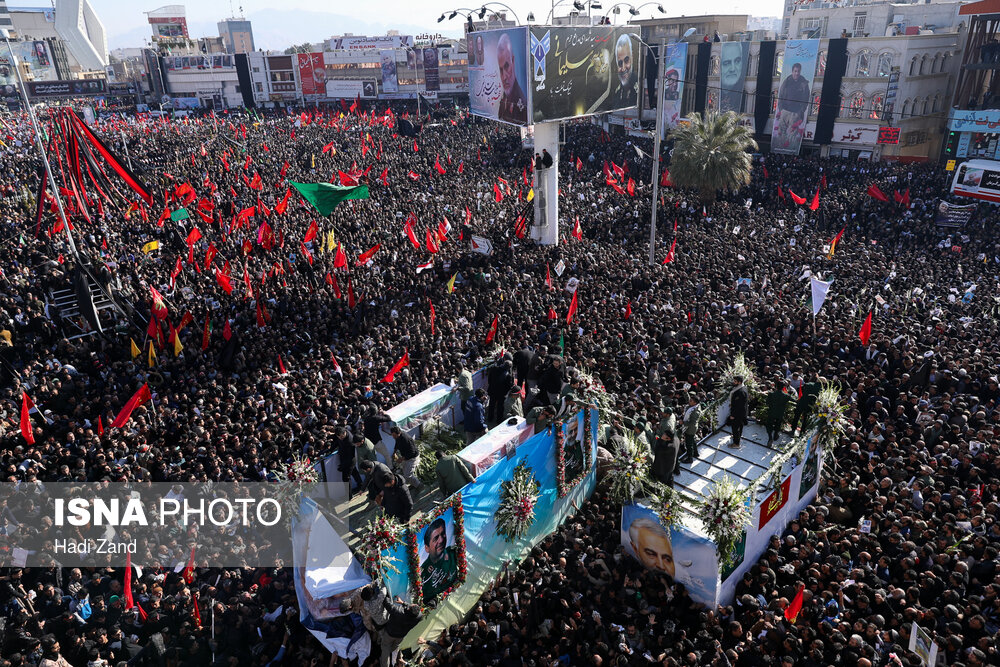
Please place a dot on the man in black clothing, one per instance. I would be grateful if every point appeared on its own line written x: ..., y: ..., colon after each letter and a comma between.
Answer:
x: 344, y: 444
x: 396, y: 499
x: 738, y: 405
x: 409, y: 456
x: 546, y: 158
x: 402, y: 619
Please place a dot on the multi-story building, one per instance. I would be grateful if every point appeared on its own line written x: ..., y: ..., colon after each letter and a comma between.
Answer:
x: 974, y: 118
x: 237, y: 35
x: 866, y: 18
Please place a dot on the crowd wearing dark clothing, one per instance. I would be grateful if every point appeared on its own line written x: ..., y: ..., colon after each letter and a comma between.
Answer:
x: 919, y: 460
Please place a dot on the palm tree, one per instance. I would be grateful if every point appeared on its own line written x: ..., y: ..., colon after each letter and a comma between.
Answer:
x: 712, y: 153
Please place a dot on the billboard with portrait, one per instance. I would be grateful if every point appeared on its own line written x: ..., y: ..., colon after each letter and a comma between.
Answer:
x: 312, y: 73
x: 498, y: 75
x: 798, y: 69
x: 437, y: 549
x: 390, y: 79
x: 674, y: 69
x: 688, y: 558
x: 733, y: 58
x: 35, y: 54
x: 432, y: 76
x: 578, y: 71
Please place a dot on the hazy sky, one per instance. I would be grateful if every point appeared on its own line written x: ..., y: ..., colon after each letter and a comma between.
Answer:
x: 312, y: 20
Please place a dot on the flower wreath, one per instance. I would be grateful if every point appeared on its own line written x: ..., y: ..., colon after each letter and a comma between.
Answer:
x: 454, y: 502
x: 378, y: 538
x: 294, y: 479
x: 518, y: 498
x: 724, y: 514
x: 563, y: 487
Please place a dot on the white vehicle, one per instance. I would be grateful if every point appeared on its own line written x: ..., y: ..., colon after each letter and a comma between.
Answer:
x: 978, y: 179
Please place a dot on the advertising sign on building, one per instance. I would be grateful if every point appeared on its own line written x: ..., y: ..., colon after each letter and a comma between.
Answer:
x: 351, y: 88
x: 498, y: 75
x: 312, y: 73
x: 79, y: 87
x: 363, y: 43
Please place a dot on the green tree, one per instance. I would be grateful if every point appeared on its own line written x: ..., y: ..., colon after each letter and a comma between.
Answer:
x: 712, y: 153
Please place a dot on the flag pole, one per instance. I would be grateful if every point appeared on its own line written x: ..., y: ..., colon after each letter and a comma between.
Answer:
x: 656, y: 149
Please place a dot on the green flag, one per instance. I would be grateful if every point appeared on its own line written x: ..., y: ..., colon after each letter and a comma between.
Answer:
x: 180, y: 214
x: 325, y: 196
x: 562, y: 344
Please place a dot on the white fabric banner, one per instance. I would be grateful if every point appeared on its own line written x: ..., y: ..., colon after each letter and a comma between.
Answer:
x: 819, y: 290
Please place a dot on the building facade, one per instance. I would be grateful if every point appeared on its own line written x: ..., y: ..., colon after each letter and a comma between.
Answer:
x: 237, y: 35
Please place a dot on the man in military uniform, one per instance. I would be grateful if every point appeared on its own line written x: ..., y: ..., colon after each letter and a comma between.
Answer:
x: 805, y: 404
x: 665, y: 447
x: 513, y: 106
x: 777, y: 403
x: 692, y: 415
x: 439, y: 571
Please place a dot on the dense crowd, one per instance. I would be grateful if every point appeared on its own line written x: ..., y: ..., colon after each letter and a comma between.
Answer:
x: 919, y: 460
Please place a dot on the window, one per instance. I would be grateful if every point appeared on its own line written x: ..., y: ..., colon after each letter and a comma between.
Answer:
x: 821, y: 63
x: 712, y: 101
x: 774, y: 102
x: 936, y: 66
x: 749, y: 101
x: 713, y: 66
x: 923, y: 65
x: 778, y: 59
x: 906, y: 110
x: 944, y: 62
x: 857, y: 105
x: 884, y: 64
x: 810, y: 28
x: 913, y: 66
x: 917, y: 103
x: 815, y: 110
x: 752, y: 66
x: 937, y: 104
x: 259, y: 86
x: 877, y: 106
x: 864, y: 64
x: 859, y: 23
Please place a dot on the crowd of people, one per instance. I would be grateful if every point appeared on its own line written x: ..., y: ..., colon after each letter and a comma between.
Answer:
x: 919, y: 460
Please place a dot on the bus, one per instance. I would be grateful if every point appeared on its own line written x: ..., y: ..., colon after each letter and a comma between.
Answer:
x: 978, y: 179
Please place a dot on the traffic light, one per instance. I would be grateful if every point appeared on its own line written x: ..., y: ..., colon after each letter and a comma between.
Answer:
x: 952, y: 145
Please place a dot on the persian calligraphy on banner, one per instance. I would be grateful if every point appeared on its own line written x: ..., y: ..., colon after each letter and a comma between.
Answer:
x: 778, y: 499
x: 498, y: 75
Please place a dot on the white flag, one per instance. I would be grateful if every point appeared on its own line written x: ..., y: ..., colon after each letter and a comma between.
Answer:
x: 819, y: 290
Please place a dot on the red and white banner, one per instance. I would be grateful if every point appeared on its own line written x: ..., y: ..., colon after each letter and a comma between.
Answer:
x: 312, y: 73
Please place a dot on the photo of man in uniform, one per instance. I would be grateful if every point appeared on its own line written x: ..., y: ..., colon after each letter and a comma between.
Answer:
x: 651, y: 545
x: 573, y: 454
x: 513, y: 105
x: 627, y: 86
x: 732, y: 60
x: 439, y: 571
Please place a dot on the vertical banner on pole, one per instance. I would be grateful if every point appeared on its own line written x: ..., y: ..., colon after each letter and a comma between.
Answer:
x: 794, y: 95
x: 674, y: 69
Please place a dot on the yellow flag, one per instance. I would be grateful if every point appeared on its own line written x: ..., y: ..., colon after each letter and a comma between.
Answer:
x: 151, y: 357
x: 451, y: 283
x: 531, y: 194
x: 330, y: 241
x: 177, y: 344
x: 150, y: 247
x: 135, y: 349
x: 314, y: 161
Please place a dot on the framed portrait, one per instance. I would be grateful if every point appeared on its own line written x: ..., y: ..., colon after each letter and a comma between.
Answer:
x: 437, y: 553
x: 574, y: 450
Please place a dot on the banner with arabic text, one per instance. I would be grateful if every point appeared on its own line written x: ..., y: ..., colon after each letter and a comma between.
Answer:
x: 794, y: 95
x: 498, y: 75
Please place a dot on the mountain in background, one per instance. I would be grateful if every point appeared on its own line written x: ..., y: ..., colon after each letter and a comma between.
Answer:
x: 277, y: 30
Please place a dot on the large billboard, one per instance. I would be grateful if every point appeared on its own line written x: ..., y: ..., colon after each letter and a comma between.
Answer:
x: 674, y: 69
x: 312, y: 73
x: 390, y: 78
x: 37, y: 56
x: 794, y: 95
x: 351, y: 88
x: 580, y: 71
x: 432, y: 76
x: 498, y: 75
x: 733, y: 58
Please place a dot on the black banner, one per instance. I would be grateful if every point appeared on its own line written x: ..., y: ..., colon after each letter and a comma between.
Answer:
x: 579, y: 71
x: 765, y: 77
x: 75, y: 88
x: 829, y: 101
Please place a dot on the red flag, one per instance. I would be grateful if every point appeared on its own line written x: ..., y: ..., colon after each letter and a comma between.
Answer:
x: 670, y: 255
x: 351, y: 301
x: 195, y: 612
x: 100, y: 425
x: 138, y: 399
x: 412, y: 236
x: 905, y: 199
x: 552, y: 313
x: 188, y: 573
x: 875, y: 193
x: 437, y: 166
x: 548, y: 277
x: 306, y: 253
x: 346, y: 179
x: 403, y: 362
x: 127, y: 588
x: 223, y: 281
x: 336, y: 288
x: 159, y: 305
x: 665, y: 181
x: 630, y: 187
x: 206, y: 334
x: 340, y: 259
x: 368, y: 254
x: 415, y: 147
x: 284, y: 168
x: 814, y: 204
x: 430, y: 242
x: 766, y: 175
x: 579, y: 164
x: 497, y: 194
x: 385, y: 177
x: 795, y: 198
x: 414, y: 176
x: 628, y: 310
x: 493, y: 330
x: 227, y: 332
x: 792, y: 612
x: 781, y: 195
x: 193, y: 236
x: 468, y: 215
x: 617, y: 188
x: 311, y: 232
x: 433, y: 316
x: 619, y: 172
x: 282, y: 205
x: 327, y: 147
x: 261, y: 320
x: 247, y: 162
x: 866, y: 330
x: 822, y: 181
x: 164, y: 216
x: 800, y: 391
x: 572, y: 307
x: 210, y: 255
x: 256, y: 183
x: 281, y: 366
x: 26, y: 406
x: 606, y: 171
x: 577, y: 231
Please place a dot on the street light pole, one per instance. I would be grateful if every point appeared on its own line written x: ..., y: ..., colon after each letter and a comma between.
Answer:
x: 41, y: 150
x: 656, y: 150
